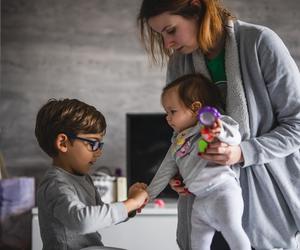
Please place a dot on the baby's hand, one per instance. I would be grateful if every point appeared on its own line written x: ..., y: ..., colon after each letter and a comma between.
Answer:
x: 210, y: 133
x: 215, y: 129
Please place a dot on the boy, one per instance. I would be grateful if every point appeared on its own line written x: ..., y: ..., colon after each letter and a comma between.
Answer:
x: 70, y: 209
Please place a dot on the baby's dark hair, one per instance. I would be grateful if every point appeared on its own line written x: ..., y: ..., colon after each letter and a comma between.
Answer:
x: 196, y: 87
x: 69, y: 116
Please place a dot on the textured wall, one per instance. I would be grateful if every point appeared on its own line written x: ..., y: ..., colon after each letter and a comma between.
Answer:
x: 77, y: 49
x: 88, y: 49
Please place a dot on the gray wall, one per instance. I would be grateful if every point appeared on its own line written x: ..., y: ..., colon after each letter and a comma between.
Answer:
x: 89, y: 49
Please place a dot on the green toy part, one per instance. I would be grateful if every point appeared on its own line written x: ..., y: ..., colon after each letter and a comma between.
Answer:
x: 202, y: 145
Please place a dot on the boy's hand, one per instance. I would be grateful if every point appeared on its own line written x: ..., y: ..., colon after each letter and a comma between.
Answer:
x: 137, y: 197
x: 138, y: 185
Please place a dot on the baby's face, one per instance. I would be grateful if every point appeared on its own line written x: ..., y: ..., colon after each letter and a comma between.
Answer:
x: 83, y: 152
x: 179, y: 117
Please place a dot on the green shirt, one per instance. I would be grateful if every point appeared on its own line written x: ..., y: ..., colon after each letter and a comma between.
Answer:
x: 216, y: 68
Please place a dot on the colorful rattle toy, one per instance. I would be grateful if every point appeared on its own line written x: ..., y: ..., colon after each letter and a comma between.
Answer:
x: 206, y: 116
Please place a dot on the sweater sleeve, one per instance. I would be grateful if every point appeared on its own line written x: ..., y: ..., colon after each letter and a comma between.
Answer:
x: 282, y: 80
x: 75, y: 215
x: 230, y: 131
x: 166, y: 171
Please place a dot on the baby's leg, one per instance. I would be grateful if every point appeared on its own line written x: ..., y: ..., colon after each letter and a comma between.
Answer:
x: 229, y: 210
x: 202, y: 234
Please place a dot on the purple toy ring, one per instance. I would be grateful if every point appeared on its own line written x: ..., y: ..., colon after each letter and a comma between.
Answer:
x: 208, y: 115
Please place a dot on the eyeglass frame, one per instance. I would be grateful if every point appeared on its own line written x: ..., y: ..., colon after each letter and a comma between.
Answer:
x: 92, y: 143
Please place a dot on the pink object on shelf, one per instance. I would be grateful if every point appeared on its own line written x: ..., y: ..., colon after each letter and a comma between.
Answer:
x: 159, y: 203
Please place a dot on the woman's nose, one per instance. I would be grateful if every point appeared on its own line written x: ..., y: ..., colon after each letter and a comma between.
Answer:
x: 169, y: 42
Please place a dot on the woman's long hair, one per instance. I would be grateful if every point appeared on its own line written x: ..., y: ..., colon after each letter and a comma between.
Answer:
x: 211, y: 15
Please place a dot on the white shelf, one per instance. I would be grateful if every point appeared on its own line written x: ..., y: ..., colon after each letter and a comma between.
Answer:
x: 170, y: 208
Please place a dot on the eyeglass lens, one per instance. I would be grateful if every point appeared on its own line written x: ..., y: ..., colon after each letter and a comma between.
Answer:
x: 96, y: 145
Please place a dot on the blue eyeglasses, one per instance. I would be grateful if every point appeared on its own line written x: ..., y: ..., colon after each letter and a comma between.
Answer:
x: 95, y: 145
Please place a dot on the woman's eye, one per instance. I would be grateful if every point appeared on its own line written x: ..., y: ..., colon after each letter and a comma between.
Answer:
x: 171, y: 31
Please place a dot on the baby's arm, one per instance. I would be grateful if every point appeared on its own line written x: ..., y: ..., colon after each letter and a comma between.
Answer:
x: 166, y: 171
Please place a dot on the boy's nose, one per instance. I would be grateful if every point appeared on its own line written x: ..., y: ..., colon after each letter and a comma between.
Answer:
x: 98, y: 153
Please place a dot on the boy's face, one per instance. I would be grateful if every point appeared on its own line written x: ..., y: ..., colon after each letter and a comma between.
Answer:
x: 179, y: 117
x: 80, y: 156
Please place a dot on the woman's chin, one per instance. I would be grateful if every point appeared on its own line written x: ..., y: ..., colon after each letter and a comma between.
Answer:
x: 187, y: 51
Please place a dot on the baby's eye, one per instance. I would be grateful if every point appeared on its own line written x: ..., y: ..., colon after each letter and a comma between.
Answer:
x: 173, y: 112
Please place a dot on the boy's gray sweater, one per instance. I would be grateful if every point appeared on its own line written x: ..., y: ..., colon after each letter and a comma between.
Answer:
x: 70, y: 211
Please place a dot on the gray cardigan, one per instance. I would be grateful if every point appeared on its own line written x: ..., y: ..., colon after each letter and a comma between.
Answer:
x: 270, y: 174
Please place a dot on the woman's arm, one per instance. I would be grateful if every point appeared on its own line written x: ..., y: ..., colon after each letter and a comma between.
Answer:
x: 282, y: 85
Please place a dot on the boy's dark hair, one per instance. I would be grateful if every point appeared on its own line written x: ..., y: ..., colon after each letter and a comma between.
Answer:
x: 66, y: 116
x: 196, y: 87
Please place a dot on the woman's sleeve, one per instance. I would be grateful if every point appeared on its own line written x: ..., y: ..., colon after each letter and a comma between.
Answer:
x: 230, y: 131
x: 282, y: 80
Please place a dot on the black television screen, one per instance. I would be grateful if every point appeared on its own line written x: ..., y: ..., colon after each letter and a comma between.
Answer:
x: 148, y: 140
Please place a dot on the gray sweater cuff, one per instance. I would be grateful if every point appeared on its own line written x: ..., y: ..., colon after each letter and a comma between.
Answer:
x: 121, y: 212
x: 250, y: 153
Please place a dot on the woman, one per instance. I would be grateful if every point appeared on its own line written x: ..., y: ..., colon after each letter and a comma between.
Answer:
x: 260, y: 83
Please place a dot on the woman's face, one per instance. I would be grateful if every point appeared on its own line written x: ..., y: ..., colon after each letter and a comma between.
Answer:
x: 178, y: 32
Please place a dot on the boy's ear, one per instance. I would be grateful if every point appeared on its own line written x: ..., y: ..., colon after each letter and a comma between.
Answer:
x: 196, y: 106
x: 61, y: 142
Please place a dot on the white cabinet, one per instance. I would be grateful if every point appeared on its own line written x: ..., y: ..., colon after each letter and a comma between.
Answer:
x: 154, y: 228
x: 36, y: 241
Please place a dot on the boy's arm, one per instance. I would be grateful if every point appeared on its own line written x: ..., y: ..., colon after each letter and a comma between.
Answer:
x: 229, y: 131
x: 63, y: 201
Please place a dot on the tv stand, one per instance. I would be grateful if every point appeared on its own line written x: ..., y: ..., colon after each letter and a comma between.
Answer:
x: 154, y: 228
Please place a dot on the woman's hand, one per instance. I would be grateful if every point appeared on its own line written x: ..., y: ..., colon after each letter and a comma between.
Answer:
x: 222, y: 153
x: 178, y: 186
